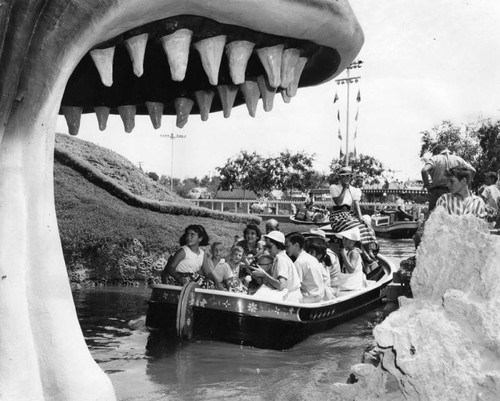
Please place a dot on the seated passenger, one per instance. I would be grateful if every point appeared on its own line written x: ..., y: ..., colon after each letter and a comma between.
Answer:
x: 331, y: 267
x: 310, y: 271
x: 216, y: 267
x: 252, y: 236
x: 185, y: 265
x: 283, y: 274
x: 236, y: 264
x: 354, y: 278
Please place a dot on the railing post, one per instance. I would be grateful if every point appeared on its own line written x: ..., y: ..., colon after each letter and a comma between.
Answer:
x: 277, y: 208
x: 248, y: 207
x: 222, y: 206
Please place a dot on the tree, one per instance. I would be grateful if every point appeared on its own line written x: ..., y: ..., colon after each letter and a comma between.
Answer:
x: 367, y: 169
x: 153, y: 176
x: 488, y: 135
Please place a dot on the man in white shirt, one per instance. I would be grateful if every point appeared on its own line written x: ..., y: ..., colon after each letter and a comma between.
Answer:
x: 309, y: 269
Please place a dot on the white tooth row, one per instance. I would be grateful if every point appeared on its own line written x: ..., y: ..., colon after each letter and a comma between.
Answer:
x: 280, y: 64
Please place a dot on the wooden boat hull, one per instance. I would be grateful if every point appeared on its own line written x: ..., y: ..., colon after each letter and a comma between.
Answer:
x: 244, y: 319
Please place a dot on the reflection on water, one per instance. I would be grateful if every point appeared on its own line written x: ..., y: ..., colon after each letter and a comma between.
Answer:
x: 147, y: 366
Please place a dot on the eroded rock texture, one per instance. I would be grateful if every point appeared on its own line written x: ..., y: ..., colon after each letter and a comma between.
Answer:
x: 445, y: 343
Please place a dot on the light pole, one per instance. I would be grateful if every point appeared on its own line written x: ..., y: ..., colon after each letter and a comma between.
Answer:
x: 172, y: 137
x: 348, y: 80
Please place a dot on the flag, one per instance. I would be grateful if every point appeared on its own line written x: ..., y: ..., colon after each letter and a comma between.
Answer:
x: 335, y: 98
x: 358, y: 98
x: 355, y: 153
x: 339, y: 135
x: 356, y: 118
x: 341, y: 156
x: 338, y: 115
x: 355, y: 133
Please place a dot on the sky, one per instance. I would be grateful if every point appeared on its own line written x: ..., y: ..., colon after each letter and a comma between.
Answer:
x: 424, y: 61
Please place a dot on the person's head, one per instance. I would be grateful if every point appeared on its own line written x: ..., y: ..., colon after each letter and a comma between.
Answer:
x: 217, y: 250
x: 438, y: 148
x: 275, y: 242
x: 458, y: 179
x: 194, y: 235
x: 236, y: 254
x: 350, y: 238
x: 265, y: 261
x: 490, y: 178
x: 252, y: 233
x: 272, y: 225
x: 259, y: 248
x: 345, y: 175
x: 310, y: 194
x: 294, y: 244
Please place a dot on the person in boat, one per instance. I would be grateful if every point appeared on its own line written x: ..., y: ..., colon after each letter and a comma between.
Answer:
x: 251, y: 236
x: 460, y: 200
x: 283, y: 273
x: 235, y: 261
x: 400, y: 210
x: 354, y: 278
x: 272, y: 225
x: 311, y: 273
x: 221, y: 273
x: 491, y: 196
x: 330, y: 263
x: 346, y: 212
x: 186, y: 264
x: 434, y: 172
x: 309, y: 202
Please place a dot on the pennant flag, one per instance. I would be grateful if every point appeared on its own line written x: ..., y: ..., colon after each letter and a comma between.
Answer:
x: 341, y: 156
x: 357, y: 113
x: 358, y: 98
x: 355, y: 153
x: 335, y: 98
x: 339, y: 135
x: 356, y: 133
x: 338, y: 115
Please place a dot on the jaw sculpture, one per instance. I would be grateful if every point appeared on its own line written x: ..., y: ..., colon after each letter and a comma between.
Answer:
x: 123, y: 57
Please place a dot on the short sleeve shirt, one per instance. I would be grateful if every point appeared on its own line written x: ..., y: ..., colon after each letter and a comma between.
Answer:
x: 284, y: 267
x: 222, y: 271
x: 453, y: 204
x: 353, y: 194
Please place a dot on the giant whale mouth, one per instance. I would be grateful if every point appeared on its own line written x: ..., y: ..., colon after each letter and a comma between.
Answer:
x: 191, y: 65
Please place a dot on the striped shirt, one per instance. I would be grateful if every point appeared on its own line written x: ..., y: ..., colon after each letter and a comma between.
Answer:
x: 454, y: 204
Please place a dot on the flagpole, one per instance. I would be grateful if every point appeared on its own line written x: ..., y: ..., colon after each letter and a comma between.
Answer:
x: 349, y: 80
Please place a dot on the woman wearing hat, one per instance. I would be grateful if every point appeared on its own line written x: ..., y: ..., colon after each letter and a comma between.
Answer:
x: 354, y: 278
x: 346, y: 213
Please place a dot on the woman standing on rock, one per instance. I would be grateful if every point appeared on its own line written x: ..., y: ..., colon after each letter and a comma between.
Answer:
x: 185, y: 265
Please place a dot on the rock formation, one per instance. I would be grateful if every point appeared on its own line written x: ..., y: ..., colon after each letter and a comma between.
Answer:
x: 444, y: 344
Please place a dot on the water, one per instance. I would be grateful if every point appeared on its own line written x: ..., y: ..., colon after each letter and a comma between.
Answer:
x: 146, y: 367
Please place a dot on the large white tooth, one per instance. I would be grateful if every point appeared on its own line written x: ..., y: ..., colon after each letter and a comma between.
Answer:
x: 103, y: 60
x: 72, y: 116
x: 102, y: 114
x: 127, y: 113
x: 136, y: 46
x: 176, y: 46
x: 270, y: 57
x: 297, y: 72
x: 211, y: 50
x: 183, y: 106
x: 204, y: 100
x: 285, y: 97
x: 155, y: 110
x: 227, y: 94
x: 238, y: 54
x: 288, y: 62
x: 267, y: 93
x: 251, y: 93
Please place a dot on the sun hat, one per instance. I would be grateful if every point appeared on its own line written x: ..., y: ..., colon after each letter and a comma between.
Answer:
x: 345, y: 171
x: 352, y: 234
x: 277, y: 236
x: 317, y: 231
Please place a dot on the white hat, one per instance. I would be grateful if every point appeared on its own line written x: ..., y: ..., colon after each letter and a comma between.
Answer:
x: 352, y: 234
x: 367, y: 219
x: 277, y: 236
x: 317, y: 231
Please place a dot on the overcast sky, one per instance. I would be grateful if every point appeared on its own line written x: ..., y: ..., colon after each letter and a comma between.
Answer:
x: 424, y: 61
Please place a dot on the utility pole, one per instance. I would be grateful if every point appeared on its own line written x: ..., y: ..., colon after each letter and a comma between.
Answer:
x: 172, y: 136
x: 348, y: 80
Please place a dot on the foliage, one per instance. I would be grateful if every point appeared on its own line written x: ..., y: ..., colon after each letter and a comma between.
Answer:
x: 489, y: 141
x: 366, y: 169
x: 153, y: 176
x: 254, y: 172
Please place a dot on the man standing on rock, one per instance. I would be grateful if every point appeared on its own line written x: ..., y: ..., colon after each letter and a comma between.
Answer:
x: 436, y: 167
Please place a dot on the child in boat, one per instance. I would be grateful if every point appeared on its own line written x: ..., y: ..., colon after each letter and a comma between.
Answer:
x: 235, y: 262
x: 185, y: 265
x: 354, y: 278
x: 221, y: 273
x: 331, y: 265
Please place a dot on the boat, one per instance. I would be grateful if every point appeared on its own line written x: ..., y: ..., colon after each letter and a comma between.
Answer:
x: 193, y: 313
x: 388, y: 224
x: 313, y: 216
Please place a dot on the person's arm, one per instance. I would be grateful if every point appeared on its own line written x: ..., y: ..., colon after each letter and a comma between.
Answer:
x: 278, y: 284
x: 172, y: 263
x: 426, y: 171
x: 349, y: 261
x: 207, y: 270
x: 357, y: 208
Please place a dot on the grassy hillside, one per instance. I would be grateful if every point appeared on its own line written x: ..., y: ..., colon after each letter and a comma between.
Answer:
x: 106, y: 239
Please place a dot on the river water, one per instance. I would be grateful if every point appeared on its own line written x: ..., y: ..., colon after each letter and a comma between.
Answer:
x: 143, y: 366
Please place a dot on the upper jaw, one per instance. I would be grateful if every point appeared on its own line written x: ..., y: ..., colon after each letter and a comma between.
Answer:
x: 240, y: 51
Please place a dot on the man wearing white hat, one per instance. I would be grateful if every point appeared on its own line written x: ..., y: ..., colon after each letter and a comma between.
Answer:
x: 283, y: 272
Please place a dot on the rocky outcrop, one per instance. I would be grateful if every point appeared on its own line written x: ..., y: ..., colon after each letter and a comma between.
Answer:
x: 444, y: 344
